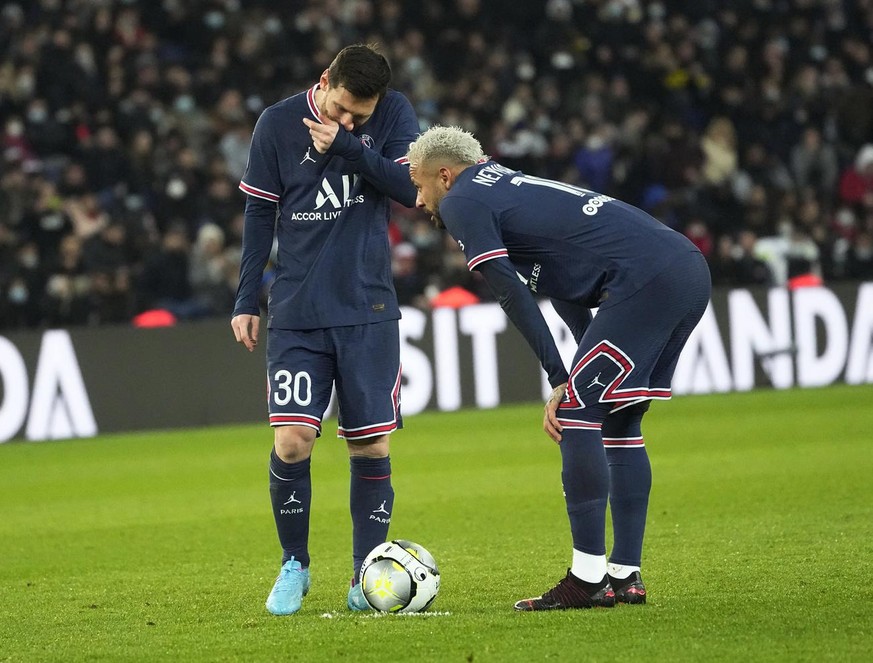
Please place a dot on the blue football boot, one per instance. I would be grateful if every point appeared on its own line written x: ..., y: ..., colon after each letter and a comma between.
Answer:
x: 356, y: 599
x: 291, y: 586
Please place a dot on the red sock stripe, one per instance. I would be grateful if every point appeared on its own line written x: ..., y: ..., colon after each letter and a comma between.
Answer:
x: 623, y: 442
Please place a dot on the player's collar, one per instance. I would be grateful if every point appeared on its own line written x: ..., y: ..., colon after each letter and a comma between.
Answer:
x: 310, y: 99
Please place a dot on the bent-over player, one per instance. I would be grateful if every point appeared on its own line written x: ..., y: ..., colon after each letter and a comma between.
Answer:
x: 531, y: 236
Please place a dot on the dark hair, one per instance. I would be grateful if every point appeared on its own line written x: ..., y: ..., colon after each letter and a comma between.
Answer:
x: 361, y: 70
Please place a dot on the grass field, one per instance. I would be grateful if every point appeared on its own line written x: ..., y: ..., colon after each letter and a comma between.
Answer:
x: 161, y: 546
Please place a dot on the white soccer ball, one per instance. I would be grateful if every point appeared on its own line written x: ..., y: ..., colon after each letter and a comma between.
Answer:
x: 399, y: 576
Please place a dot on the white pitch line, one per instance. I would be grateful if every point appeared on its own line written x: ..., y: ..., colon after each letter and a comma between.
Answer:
x: 380, y: 615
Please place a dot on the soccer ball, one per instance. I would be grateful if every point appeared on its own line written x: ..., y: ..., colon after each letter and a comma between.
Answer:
x: 399, y: 576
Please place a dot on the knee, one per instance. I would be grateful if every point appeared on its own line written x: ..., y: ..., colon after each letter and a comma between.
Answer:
x: 294, y: 443
x: 376, y: 447
x: 626, y: 421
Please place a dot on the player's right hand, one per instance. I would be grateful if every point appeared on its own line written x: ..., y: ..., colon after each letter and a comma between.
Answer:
x: 323, y: 134
x: 245, y: 329
x: 550, y: 417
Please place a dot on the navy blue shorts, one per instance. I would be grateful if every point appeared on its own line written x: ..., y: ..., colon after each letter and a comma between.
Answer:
x: 629, y: 352
x: 363, y: 361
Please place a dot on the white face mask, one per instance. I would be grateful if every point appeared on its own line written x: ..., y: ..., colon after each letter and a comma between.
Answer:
x: 14, y: 128
x: 37, y: 115
x: 18, y: 293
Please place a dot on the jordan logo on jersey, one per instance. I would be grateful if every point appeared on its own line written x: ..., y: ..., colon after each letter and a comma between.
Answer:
x: 307, y: 156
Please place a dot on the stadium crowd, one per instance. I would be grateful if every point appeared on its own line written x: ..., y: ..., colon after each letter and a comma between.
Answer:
x: 745, y: 124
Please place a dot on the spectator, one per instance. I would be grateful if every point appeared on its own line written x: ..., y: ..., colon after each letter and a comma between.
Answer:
x: 699, y: 234
x: 594, y: 160
x: 165, y: 282
x: 409, y: 282
x: 87, y: 216
x: 749, y: 268
x: 209, y: 271
x: 814, y: 163
x: 856, y: 182
x: 722, y: 262
x: 106, y: 257
x: 141, y: 112
x: 859, y: 262
x: 67, y: 299
x: 106, y: 164
x: 719, y: 146
x: 23, y: 288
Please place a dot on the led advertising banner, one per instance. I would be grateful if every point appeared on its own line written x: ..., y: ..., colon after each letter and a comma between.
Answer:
x: 59, y: 384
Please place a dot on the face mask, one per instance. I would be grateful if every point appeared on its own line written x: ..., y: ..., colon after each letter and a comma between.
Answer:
x: 184, y: 103
x: 25, y: 85
x: 37, y: 115
x: 14, y: 128
x: 18, y: 293
x: 214, y: 19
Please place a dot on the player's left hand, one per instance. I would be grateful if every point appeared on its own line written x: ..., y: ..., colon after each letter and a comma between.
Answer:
x: 323, y: 133
x: 550, y: 419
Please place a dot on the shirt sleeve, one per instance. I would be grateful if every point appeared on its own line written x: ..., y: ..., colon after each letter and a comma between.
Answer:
x: 475, y: 228
x: 477, y: 231
x: 518, y: 303
x: 388, y: 171
x: 261, y: 178
x: 257, y: 242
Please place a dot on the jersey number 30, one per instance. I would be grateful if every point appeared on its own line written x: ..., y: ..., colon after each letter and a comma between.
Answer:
x: 288, y: 386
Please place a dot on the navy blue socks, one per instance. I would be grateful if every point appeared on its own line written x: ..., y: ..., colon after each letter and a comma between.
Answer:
x: 291, y: 496
x: 630, y: 480
x: 371, y: 500
x: 586, y: 487
x: 630, y: 477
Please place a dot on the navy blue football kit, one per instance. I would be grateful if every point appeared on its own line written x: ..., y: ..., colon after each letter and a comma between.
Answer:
x: 329, y: 214
x: 332, y: 313
x: 583, y: 250
x: 531, y: 236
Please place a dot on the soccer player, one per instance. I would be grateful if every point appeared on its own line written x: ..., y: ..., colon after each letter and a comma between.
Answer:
x: 531, y: 236
x: 322, y: 166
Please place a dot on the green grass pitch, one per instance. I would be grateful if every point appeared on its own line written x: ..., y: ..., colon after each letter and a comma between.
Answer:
x: 160, y: 546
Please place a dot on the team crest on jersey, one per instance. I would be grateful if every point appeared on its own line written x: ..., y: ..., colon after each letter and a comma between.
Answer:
x: 367, y: 141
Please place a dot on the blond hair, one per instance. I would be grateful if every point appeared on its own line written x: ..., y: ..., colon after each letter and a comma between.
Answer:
x: 448, y: 145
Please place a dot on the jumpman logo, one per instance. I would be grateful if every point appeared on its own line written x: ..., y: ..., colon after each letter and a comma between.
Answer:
x: 596, y: 381
x: 292, y: 499
x: 306, y: 157
x: 381, y: 508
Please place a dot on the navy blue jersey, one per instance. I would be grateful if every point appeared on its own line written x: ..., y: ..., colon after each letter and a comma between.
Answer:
x: 329, y: 213
x: 531, y: 235
x: 565, y: 242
